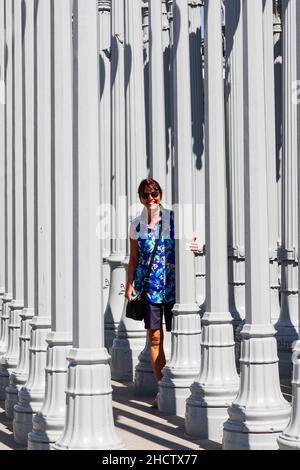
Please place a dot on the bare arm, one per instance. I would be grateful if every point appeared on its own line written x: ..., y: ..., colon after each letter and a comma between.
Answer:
x: 133, y: 259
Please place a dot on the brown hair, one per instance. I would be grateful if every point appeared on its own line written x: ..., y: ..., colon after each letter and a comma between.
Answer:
x: 152, y: 184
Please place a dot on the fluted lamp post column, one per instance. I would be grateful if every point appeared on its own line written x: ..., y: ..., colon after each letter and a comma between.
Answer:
x: 183, y: 366
x: 10, y: 359
x: 31, y: 396
x: 2, y: 155
x: 48, y: 424
x: 104, y: 18
x: 235, y: 149
x: 277, y: 35
x: 146, y: 73
x: 217, y: 385
x: 235, y: 158
x: 197, y: 104
x: 89, y: 419
x: 157, y: 96
x: 8, y: 295
x: 19, y: 376
x: 290, y: 438
x: 135, y: 96
x: 259, y: 412
x: 287, y: 325
x: 116, y: 300
x: 271, y: 156
x: 166, y: 40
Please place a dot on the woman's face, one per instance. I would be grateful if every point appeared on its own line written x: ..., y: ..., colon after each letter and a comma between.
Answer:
x: 150, y: 198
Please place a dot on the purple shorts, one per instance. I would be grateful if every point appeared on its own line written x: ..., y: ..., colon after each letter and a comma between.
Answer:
x: 155, y: 313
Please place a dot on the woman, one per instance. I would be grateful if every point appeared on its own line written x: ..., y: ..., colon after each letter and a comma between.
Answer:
x: 160, y: 288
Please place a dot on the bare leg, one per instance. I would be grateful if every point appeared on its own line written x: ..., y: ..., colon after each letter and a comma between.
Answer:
x: 157, y: 355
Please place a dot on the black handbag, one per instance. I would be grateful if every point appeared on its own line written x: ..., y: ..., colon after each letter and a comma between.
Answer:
x: 136, y: 308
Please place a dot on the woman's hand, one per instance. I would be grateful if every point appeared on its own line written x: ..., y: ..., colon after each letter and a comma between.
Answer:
x: 194, y: 246
x: 130, y: 290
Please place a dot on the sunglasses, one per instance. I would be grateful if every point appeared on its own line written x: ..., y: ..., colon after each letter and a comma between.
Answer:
x: 154, y: 194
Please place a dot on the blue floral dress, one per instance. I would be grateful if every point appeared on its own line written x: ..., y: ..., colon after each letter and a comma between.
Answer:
x: 161, y: 286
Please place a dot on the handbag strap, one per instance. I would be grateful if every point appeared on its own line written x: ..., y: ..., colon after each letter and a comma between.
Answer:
x: 146, y: 278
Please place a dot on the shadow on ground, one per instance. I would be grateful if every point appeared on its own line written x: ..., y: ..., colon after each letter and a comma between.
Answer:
x: 6, y: 432
x: 142, y: 427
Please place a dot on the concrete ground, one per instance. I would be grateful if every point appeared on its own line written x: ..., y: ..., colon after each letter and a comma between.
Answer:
x: 139, y: 426
x: 144, y: 428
